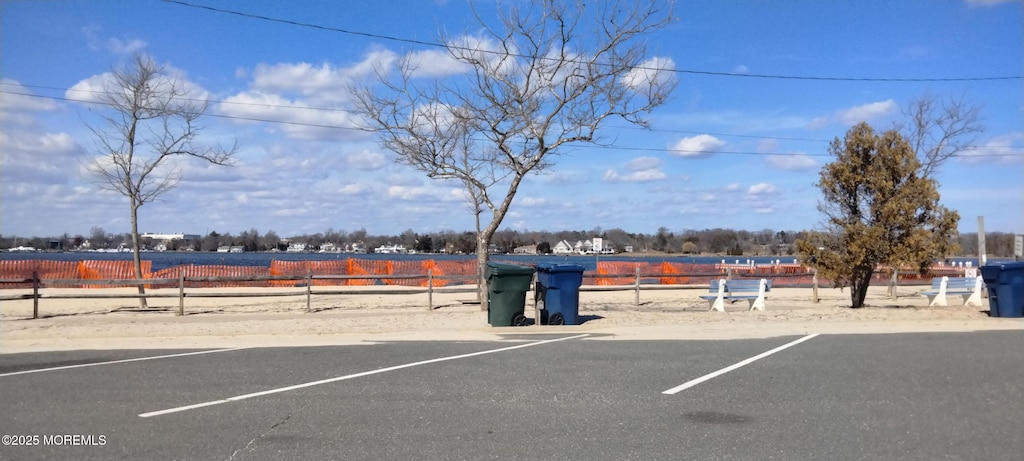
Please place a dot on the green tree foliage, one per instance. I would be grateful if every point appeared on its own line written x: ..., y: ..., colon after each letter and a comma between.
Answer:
x: 879, y: 211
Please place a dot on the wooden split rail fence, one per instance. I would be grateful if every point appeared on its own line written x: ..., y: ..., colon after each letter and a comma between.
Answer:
x: 311, y: 279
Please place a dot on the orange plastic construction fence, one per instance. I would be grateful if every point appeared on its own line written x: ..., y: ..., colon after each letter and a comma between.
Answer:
x: 193, y: 270
x: 617, y: 272
x: 23, y: 269
x: 110, y: 270
x: 445, y: 271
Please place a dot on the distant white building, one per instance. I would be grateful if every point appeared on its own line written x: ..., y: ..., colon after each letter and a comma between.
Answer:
x: 169, y: 237
x: 563, y: 248
x: 582, y: 248
x: 296, y: 247
x: 391, y: 249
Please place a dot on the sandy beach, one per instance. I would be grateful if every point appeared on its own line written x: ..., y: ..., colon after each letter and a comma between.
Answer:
x: 677, y: 314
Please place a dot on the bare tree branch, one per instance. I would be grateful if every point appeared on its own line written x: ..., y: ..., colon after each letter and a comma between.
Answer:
x: 940, y: 130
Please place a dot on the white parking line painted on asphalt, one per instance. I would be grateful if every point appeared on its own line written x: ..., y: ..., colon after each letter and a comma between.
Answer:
x: 353, y: 376
x: 727, y: 369
x: 111, y: 362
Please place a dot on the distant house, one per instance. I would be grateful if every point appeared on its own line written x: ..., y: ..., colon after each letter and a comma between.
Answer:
x: 563, y: 248
x: 581, y: 248
x: 525, y: 250
x: 165, y: 237
x: 296, y: 247
x: 231, y: 249
x: 390, y: 249
x: 329, y: 248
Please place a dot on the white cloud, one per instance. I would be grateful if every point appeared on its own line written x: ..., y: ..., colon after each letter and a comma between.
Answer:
x: 125, y: 47
x: 740, y: 69
x: 701, y: 145
x: 49, y: 144
x: 1000, y: 149
x: 354, y: 189
x: 114, y: 45
x: 798, y: 161
x: 366, y: 160
x: 818, y: 123
x: 92, y: 89
x: 642, y: 169
x: 435, y: 63
x: 407, y: 193
x: 16, y: 98
x: 301, y: 78
x: 867, y: 112
x: 643, y: 163
x: 532, y: 202
x: 761, y: 189
x: 654, y: 72
x: 302, y: 121
x: 403, y: 180
x: 643, y: 176
x: 732, y: 187
x: 767, y: 145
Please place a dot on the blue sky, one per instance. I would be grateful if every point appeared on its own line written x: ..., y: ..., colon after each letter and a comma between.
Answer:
x: 762, y: 141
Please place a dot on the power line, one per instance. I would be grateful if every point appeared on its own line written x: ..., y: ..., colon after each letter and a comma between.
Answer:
x: 678, y: 71
x: 696, y: 153
x: 329, y: 109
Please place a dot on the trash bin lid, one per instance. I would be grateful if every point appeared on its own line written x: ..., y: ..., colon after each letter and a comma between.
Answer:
x: 494, y: 268
x: 552, y: 267
x: 991, y: 272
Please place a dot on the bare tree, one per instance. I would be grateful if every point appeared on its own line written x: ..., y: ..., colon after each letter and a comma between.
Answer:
x: 550, y: 76
x: 153, y: 119
x: 939, y: 130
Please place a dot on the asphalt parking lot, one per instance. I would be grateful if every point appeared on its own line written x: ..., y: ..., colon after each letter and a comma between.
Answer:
x: 897, y: 396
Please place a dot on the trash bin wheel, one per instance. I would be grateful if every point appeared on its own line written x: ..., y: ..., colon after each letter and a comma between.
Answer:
x: 519, y: 320
x: 556, y: 319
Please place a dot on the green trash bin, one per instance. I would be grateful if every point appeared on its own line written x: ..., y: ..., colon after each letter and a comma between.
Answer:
x: 507, y: 285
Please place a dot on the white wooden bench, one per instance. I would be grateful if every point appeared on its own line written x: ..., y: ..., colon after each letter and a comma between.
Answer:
x: 752, y: 291
x: 968, y: 288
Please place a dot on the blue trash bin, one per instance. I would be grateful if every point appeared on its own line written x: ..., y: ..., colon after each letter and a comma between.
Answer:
x: 1005, y: 284
x: 558, y: 293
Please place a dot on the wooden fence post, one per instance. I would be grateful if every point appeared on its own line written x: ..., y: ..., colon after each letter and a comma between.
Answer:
x: 181, y: 291
x: 309, y: 290
x: 430, y: 289
x: 728, y: 273
x: 893, y: 284
x: 637, y: 285
x: 35, y: 294
x: 814, y: 291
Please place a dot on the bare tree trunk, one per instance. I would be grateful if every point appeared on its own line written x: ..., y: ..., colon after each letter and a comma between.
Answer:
x: 136, y: 252
x: 481, y: 261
